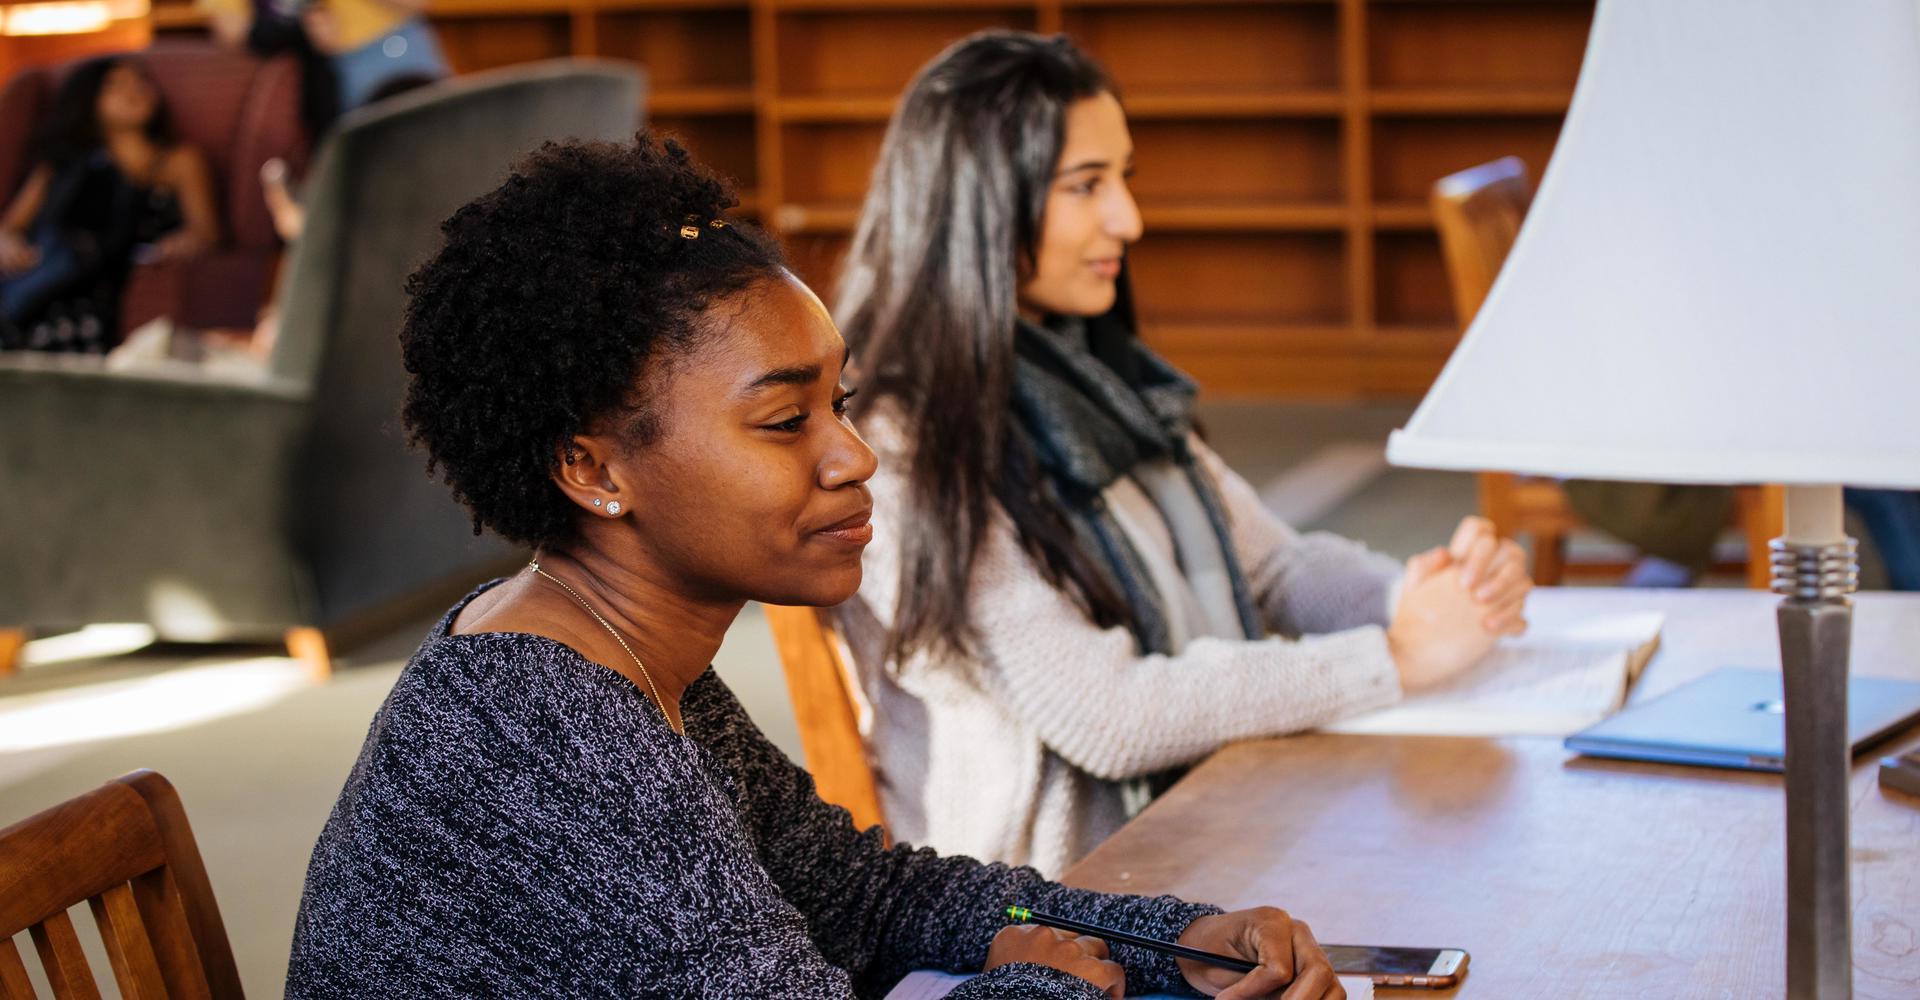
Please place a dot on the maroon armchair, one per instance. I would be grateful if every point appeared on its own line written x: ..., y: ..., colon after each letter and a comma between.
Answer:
x: 241, y: 112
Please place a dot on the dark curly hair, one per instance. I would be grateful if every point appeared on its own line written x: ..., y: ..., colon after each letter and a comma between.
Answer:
x: 552, y: 298
x: 72, y: 132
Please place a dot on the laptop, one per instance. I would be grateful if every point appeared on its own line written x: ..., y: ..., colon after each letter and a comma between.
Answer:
x: 1734, y: 718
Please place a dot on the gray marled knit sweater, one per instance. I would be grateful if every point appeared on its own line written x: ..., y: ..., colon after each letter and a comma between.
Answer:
x: 523, y: 823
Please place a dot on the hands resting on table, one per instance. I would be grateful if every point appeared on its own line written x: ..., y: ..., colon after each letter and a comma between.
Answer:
x: 1456, y: 601
x: 1292, y: 966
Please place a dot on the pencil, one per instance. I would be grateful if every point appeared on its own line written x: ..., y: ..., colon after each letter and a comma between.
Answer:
x: 1021, y: 914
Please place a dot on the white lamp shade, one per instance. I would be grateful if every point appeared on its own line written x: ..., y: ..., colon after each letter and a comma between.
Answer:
x: 1719, y: 278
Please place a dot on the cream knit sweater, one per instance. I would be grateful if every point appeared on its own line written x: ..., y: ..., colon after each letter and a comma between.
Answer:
x: 1019, y: 755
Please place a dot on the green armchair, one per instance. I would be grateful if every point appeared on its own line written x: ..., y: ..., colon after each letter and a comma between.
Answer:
x: 283, y: 503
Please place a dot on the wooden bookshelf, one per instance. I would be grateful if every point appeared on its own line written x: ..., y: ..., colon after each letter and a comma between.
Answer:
x: 1285, y: 147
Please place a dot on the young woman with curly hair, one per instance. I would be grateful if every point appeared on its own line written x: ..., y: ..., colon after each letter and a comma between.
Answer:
x: 1069, y: 596
x: 560, y: 798
x: 112, y: 185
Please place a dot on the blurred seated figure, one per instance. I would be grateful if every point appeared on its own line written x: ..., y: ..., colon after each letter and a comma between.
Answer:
x: 1893, y: 523
x: 1673, y: 526
x: 367, y: 43
x: 289, y: 221
x: 276, y: 181
x: 268, y: 28
x: 111, y: 185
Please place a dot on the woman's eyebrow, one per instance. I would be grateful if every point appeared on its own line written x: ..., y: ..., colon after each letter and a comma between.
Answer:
x: 792, y: 375
x: 1085, y: 165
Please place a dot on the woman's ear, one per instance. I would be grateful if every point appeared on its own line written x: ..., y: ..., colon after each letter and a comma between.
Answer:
x: 586, y: 474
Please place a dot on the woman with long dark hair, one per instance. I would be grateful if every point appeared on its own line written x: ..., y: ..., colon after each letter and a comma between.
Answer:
x: 1069, y: 596
x: 560, y: 798
x: 112, y: 183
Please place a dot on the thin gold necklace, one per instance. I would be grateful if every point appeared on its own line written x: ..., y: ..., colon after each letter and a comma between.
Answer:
x: 617, y: 637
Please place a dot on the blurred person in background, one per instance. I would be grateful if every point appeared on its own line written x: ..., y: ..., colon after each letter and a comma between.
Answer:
x: 1892, y: 519
x: 1069, y: 596
x: 289, y: 217
x: 268, y: 28
x: 112, y: 185
x: 1672, y: 526
x: 366, y: 45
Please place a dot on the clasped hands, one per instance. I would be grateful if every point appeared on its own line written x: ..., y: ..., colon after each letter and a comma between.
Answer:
x: 1456, y: 601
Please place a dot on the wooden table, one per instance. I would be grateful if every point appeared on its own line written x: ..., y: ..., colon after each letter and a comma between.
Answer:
x: 1562, y: 876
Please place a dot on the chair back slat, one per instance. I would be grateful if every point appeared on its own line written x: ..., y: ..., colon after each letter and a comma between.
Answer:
x: 819, y: 682
x: 14, y: 984
x: 62, y: 960
x: 128, y: 949
x: 170, y: 930
x: 127, y: 850
x: 1478, y: 213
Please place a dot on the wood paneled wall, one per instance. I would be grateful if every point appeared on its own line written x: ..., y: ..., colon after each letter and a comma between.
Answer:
x: 1285, y: 147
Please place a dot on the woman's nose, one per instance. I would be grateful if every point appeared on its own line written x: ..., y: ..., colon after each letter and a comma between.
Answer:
x: 848, y: 461
x: 1123, y: 216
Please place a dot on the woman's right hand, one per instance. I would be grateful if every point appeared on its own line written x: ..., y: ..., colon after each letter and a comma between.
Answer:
x: 1438, y: 628
x: 1073, y: 954
x: 16, y: 254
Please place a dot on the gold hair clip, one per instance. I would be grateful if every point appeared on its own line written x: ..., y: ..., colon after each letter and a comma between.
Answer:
x: 691, y: 228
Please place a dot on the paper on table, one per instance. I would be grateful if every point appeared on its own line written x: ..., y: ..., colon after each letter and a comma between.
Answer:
x: 1565, y: 674
x: 926, y: 984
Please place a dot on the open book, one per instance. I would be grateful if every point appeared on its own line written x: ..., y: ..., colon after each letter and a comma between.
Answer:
x: 926, y: 984
x: 1568, y: 672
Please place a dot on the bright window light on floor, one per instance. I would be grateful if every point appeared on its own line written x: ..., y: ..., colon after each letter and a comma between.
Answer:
x: 89, y: 643
x: 169, y: 701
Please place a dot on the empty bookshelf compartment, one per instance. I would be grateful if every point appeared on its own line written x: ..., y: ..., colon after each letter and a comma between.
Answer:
x: 1410, y: 282
x: 1410, y: 153
x: 707, y: 53
x: 827, y: 165
x: 724, y: 143
x: 1234, y: 162
x: 1265, y: 278
x: 1184, y: 48
x: 1477, y: 46
x: 873, y: 53
x: 477, y: 42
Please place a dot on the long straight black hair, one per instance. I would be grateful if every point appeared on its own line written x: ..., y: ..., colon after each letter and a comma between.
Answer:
x: 928, y: 302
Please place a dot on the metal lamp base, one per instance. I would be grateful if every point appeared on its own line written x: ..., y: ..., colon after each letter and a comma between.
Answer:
x: 1816, y: 626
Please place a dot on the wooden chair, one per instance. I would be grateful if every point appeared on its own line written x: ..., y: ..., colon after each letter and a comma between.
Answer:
x: 127, y: 850
x: 1478, y: 213
x: 12, y: 642
x: 821, y: 682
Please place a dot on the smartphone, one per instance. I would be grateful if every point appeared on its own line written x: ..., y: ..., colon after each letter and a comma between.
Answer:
x: 1434, y: 968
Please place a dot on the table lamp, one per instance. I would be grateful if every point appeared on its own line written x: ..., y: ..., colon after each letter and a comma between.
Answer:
x: 1719, y: 282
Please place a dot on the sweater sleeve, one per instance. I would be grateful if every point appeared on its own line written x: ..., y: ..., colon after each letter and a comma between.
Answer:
x: 879, y: 912
x: 1038, y: 653
x: 1306, y: 584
